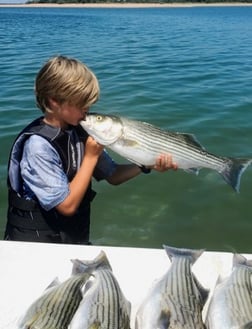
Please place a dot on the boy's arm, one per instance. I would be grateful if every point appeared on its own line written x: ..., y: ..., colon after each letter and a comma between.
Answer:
x: 78, y: 186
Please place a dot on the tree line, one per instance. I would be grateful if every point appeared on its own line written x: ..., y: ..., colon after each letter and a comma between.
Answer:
x: 134, y: 1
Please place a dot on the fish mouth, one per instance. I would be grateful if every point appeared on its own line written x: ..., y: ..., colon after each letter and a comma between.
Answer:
x: 85, y: 122
x: 107, y: 130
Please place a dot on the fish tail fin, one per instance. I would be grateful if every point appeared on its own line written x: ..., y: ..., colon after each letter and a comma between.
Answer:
x: 239, y: 259
x: 81, y: 266
x: 193, y: 254
x: 233, y: 171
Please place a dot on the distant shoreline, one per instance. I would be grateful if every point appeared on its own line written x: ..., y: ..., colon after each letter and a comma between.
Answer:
x: 125, y: 5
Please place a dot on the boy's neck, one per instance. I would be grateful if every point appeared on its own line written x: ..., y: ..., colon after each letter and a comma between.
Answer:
x: 54, y: 122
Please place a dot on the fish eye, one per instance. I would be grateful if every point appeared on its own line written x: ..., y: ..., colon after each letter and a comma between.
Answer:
x: 99, y: 118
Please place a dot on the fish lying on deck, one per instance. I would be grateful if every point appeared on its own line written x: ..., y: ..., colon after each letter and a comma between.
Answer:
x: 142, y: 143
x: 56, y: 307
x: 177, y: 299
x: 231, y: 304
x: 104, y: 305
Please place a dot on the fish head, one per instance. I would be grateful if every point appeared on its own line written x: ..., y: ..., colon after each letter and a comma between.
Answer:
x: 105, y: 129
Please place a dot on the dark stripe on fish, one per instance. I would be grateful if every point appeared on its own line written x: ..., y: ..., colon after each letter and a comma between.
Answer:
x: 56, y: 307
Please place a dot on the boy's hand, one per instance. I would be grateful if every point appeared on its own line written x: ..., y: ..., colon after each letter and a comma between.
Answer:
x: 164, y: 162
x: 92, y: 148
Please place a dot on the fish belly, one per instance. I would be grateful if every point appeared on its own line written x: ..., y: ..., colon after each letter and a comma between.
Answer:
x: 135, y: 154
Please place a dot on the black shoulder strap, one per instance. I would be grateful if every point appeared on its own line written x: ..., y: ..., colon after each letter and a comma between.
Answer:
x: 83, y: 135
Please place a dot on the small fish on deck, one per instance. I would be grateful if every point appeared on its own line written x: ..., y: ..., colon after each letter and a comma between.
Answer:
x: 57, y: 305
x: 176, y: 300
x: 231, y: 304
x: 142, y: 143
x: 104, y: 304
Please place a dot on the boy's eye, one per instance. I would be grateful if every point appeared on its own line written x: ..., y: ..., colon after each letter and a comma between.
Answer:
x: 84, y: 111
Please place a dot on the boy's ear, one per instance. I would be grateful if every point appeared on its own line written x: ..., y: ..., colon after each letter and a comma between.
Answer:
x: 53, y: 104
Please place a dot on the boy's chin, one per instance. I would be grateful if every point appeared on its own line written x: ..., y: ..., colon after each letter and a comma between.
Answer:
x: 74, y: 123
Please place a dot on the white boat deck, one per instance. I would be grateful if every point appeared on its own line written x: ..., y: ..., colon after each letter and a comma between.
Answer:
x: 26, y: 269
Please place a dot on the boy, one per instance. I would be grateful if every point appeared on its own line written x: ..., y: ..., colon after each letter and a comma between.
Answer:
x: 53, y: 160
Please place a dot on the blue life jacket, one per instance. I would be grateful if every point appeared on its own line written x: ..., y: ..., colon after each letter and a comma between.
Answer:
x: 28, y: 215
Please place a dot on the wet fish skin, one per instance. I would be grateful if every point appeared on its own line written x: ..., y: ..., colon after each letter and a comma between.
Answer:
x: 231, y: 304
x: 142, y: 143
x: 56, y: 307
x: 176, y: 300
x: 103, y: 306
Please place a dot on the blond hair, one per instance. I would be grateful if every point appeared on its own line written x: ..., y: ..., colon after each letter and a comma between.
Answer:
x: 66, y: 80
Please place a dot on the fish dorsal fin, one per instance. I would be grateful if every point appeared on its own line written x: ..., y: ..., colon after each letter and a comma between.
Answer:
x: 191, y: 140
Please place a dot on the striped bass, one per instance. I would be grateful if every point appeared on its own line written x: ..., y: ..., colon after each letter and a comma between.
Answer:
x: 104, y: 305
x: 231, y: 304
x: 142, y: 143
x: 176, y: 300
x: 56, y: 307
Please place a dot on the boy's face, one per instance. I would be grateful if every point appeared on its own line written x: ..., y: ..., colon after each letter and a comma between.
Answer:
x: 71, y: 114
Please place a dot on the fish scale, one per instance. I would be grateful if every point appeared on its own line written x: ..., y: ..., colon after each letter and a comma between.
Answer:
x: 142, y: 143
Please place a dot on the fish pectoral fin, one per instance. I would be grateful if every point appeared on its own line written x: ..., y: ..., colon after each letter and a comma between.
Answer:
x: 95, y: 325
x: 164, y: 319
x: 128, y: 142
